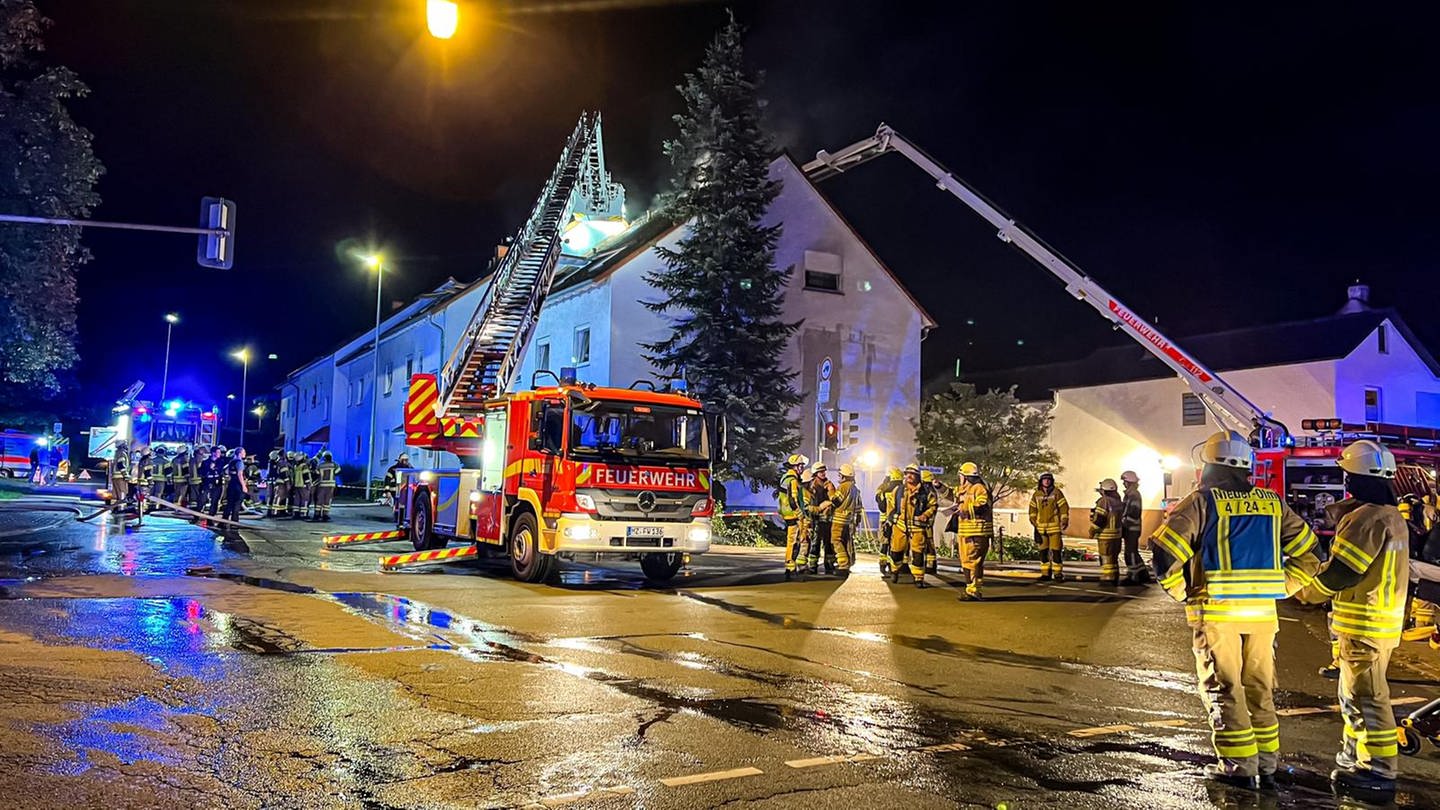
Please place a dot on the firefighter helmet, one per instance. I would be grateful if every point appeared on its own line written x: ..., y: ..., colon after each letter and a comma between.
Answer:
x: 806, y: 476
x: 1049, y: 475
x: 1228, y: 449
x: 847, y: 471
x: 912, y: 469
x: 894, y: 474
x: 1367, y: 457
x: 796, y: 460
x: 969, y: 468
x: 818, y: 467
x: 325, y: 455
x: 1108, y: 485
x: 1130, y: 477
x: 403, y: 457
x: 927, y: 476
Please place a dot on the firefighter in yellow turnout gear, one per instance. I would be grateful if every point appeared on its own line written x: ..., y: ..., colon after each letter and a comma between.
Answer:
x: 793, y: 499
x: 325, y: 485
x: 974, y: 525
x: 1050, y: 516
x: 1366, y: 579
x: 1229, y: 550
x: 914, y: 519
x: 846, y: 507
x: 1105, y: 528
x: 885, y: 499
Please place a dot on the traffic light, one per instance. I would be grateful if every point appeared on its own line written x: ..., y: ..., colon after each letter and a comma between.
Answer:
x: 829, y: 430
x: 850, y: 436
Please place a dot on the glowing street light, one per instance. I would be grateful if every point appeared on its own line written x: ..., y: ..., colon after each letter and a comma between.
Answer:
x: 243, y: 355
x: 442, y: 17
x: 170, y: 320
x: 376, y: 262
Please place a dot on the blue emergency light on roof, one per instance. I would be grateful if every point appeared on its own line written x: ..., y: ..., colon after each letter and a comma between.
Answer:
x: 42, y: 441
x: 568, y: 376
x: 679, y: 384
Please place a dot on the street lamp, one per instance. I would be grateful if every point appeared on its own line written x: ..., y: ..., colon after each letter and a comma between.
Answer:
x: 259, y: 412
x: 442, y: 17
x: 170, y: 320
x: 375, y: 262
x: 243, y: 355
x: 229, y: 398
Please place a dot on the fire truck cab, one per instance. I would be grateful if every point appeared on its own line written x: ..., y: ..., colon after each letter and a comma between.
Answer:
x: 570, y: 471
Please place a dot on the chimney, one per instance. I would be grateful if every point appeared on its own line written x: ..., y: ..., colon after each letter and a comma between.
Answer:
x: 1359, y: 299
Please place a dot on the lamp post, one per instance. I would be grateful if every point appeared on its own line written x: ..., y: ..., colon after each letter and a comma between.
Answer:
x: 229, y: 398
x: 170, y: 320
x: 243, y: 355
x: 375, y: 262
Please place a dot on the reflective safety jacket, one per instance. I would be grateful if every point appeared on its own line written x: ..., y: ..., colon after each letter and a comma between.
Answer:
x: 792, y: 496
x: 120, y: 465
x: 885, y: 497
x: 1229, y: 554
x: 162, y: 469
x: 914, y: 508
x: 821, y: 493
x: 1132, y: 510
x: 193, y: 472
x: 300, y: 474
x: 144, y: 469
x: 1105, y: 517
x: 847, y: 503
x: 1049, y: 511
x: 279, y: 473
x: 1373, y: 542
x: 326, y: 473
x: 974, y: 512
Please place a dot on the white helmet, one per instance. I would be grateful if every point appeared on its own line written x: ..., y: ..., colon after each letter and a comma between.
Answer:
x: 1130, y: 477
x: 1228, y: 449
x: 1108, y: 485
x: 1366, y: 457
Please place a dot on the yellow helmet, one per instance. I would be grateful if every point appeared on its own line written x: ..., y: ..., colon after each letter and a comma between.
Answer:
x: 927, y: 476
x: 796, y: 460
x: 847, y: 471
x: 969, y: 468
x: 894, y: 474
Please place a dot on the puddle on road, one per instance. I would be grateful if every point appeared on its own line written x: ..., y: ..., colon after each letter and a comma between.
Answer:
x: 161, y: 547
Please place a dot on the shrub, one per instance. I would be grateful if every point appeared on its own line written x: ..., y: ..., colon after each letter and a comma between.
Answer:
x: 750, y: 530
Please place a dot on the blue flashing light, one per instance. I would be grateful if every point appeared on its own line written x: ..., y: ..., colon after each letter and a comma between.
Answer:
x: 43, y: 442
x: 679, y: 384
x: 144, y: 416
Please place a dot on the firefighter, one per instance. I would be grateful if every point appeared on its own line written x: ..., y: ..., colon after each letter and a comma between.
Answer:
x: 180, y: 475
x: 1050, y: 517
x: 885, y: 505
x: 392, y: 476
x: 1217, y: 553
x: 1105, y: 528
x: 161, y: 485
x: 194, y: 480
x: 843, y: 516
x: 300, y: 485
x: 974, y: 526
x: 278, y: 482
x: 237, y: 489
x: 252, y: 480
x: 212, y: 475
x: 793, y: 499
x: 1365, y: 579
x: 1132, y: 512
x: 914, y: 521
x: 325, y: 485
x: 940, y: 491
x: 144, y: 478
x: 822, y: 495
x: 120, y: 476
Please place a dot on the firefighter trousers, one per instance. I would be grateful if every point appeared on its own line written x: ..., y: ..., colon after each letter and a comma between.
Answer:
x: 181, y: 490
x: 1370, y: 740
x: 119, y: 492
x: 915, y: 541
x: 797, y: 544
x: 1236, y: 675
x: 1109, y: 550
x: 324, y: 495
x: 1135, y: 568
x: 1051, y: 543
x: 841, y: 536
x: 300, y: 499
x: 820, y: 541
x: 210, y: 497
x: 279, y: 498
x: 973, y: 549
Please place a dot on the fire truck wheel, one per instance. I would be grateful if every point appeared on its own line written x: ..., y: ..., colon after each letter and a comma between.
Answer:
x: 661, y: 567
x: 422, y: 529
x: 526, y: 560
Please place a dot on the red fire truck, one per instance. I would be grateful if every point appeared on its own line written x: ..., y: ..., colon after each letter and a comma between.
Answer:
x: 566, y: 470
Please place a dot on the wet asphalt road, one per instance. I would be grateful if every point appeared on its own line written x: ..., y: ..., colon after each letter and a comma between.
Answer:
x: 277, y: 674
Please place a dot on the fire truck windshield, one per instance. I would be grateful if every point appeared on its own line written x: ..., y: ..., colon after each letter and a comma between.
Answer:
x: 638, y: 431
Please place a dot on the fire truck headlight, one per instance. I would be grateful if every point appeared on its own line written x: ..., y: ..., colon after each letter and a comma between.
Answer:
x: 699, y: 534
x: 585, y: 502
x: 474, y: 497
x: 581, y: 532
x: 426, y: 477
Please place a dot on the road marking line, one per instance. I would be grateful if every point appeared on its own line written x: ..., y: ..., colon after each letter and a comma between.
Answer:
x: 946, y: 747
x: 1101, y: 730
x: 1176, y: 723
x: 838, y: 759
x: 1288, y: 619
x: 713, y: 776
x: 1302, y: 710
x: 1405, y: 701
x: 582, y: 795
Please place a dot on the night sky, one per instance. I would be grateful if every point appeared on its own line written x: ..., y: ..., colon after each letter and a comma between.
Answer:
x: 1214, y: 168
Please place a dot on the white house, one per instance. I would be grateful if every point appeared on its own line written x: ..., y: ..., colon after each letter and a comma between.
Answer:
x: 859, y: 323
x: 1121, y: 409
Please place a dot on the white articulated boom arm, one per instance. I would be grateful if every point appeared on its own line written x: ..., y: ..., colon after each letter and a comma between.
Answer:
x: 1228, y: 405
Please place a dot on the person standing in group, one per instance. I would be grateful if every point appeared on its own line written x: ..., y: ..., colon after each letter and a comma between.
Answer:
x: 195, y: 481
x: 392, y: 476
x: 1050, y: 517
x: 34, y: 475
x: 885, y: 505
x: 1365, y: 579
x: 1105, y: 528
x: 844, y: 514
x: 1230, y: 550
x: 300, y: 485
x: 793, y: 499
x: 325, y: 485
x: 942, y: 494
x: 214, y: 475
x: 1132, y: 515
x: 822, y: 495
x: 914, y: 521
x: 144, y: 477
x: 237, y: 489
x: 277, y: 482
x: 119, y: 474
x: 180, y: 475
x: 975, y: 526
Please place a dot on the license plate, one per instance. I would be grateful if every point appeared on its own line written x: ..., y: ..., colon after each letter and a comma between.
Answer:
x: 644, y: 531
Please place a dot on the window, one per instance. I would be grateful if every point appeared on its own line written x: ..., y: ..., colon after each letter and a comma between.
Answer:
x: 409, y: 369
x: 822, y: 271
x: 314, y: 392
x: 1373, y: 411
x: 389, y: 379
x: 1192, y: 410
x: 542, y: 356
x: 1382, y: 339
x: 581, y: 355
x: 358, y: 448
x: 820, y: 280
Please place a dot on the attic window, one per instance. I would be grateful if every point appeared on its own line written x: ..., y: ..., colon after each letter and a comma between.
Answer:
x: 1382, y: 339
x: 819, y: 280
x: 822, y: 271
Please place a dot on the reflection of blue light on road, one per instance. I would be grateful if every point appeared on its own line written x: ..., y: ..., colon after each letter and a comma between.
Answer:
x: 119, y: 730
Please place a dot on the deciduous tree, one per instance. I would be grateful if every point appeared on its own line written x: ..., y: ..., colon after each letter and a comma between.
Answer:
x: 1006, y: 438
